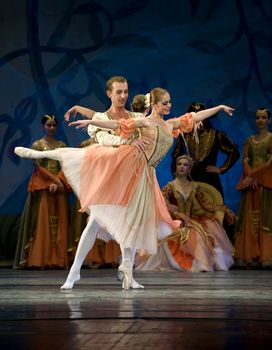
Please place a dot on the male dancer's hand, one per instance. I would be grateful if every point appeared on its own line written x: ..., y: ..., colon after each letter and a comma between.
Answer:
x: 80, y: 124
x: 71, y: 113
x: 140, y: 144
x: 85, y: 112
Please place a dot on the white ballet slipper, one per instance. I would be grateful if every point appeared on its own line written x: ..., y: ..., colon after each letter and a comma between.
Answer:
x: 70, y: 281
x: 134, y: 284
x: 24, y: 152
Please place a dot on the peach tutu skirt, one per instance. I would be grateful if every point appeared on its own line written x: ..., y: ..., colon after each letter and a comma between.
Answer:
x: 121, y: 192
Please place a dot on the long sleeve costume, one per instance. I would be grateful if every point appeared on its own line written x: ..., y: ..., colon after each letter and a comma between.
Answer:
x: 43, y: 234
x: 205, y: 153
x: 253, y: 231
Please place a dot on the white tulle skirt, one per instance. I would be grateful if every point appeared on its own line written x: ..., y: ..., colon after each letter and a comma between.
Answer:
x: 138, y: 224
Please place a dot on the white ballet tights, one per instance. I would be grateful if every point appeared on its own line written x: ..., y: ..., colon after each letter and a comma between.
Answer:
x: 52, y: 154
x: 128, y: 257
x: 85, y: 244
x: 33, y: 154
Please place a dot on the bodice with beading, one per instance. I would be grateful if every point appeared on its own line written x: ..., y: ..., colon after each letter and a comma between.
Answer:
x: 159, y: 139
x: 258, y: 152
x: 53, y: 166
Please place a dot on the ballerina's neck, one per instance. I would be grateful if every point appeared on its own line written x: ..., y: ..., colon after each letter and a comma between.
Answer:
x: 157, y: 116
x: 157, y: 119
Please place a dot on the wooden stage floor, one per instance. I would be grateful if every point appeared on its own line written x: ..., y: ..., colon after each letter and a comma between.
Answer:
x: 221, y: 310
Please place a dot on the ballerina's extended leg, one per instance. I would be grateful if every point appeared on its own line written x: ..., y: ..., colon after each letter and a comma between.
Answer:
x: 85, y: 244
x: 25, y: 152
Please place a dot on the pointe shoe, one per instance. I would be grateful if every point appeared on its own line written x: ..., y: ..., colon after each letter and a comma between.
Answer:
x: 125, y: 271
x: 136, y: 285
x: 70, y: 281
x: 24, y: 152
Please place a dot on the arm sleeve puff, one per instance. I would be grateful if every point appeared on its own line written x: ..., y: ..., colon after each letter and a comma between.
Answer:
x: 183, y: 124
x: 126, y: 127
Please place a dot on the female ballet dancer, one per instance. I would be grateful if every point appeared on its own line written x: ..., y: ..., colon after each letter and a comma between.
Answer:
x: 121, y: 191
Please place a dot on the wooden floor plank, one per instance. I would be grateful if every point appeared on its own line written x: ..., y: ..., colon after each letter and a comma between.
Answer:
x: 176, y: 310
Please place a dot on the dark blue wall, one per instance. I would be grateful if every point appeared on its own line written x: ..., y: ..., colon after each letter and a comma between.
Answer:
x: 55, y: 54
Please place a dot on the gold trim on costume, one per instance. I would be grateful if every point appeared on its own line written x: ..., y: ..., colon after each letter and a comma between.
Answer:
x: 54, y: 226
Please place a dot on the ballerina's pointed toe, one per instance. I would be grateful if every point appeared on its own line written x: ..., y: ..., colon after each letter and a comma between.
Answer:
x: 69, y: 284
x: 24, y: 152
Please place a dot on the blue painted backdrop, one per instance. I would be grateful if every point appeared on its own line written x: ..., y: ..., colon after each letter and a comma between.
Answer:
x: 55, y: 54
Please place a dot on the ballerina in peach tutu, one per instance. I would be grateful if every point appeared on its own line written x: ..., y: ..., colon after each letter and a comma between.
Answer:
x: 121, y: 192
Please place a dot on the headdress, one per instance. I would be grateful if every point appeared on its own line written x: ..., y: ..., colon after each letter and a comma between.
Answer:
x: 147, y: 100
x: 50, y: 117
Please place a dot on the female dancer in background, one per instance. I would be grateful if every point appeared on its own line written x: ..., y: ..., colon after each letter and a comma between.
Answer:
x: 202, y: 244
x: 43, y: 234
x: 121, y: 193
x: 253, y: 232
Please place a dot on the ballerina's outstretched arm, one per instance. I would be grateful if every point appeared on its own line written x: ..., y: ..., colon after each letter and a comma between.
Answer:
x: 196, y: 117
x: 207, y: 113
x: 109, y: 124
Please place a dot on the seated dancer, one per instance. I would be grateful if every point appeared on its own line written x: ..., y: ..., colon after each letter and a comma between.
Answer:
x: 121, y: 192
x: 202, y: 245
x: 212, y: 145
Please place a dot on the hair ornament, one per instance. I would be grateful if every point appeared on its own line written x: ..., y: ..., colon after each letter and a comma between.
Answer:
x: 50, y: 117
x: 196, y: 106
x: 147, y: 100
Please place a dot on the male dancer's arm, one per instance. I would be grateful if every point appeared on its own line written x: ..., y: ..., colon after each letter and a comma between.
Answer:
x: 85, y: 112
x: 105, y: 137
